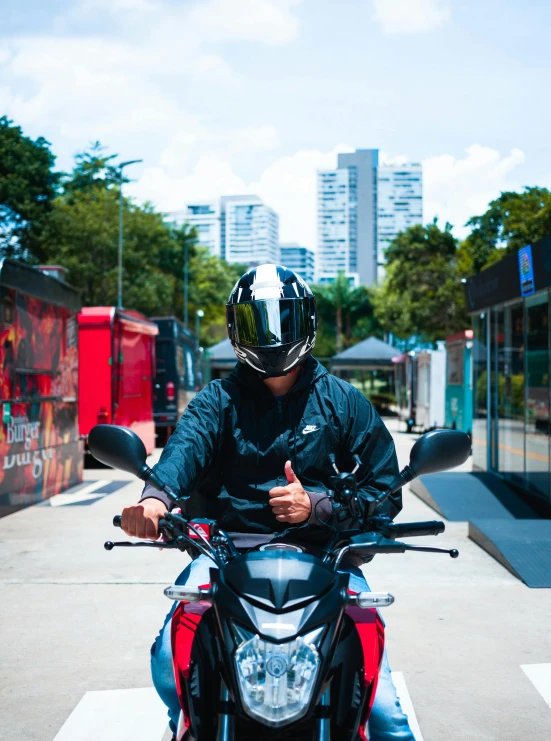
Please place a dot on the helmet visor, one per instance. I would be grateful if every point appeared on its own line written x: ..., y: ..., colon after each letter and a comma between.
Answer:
x: 272, y: 321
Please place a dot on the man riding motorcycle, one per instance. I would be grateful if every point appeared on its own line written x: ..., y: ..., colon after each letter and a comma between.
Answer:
x: 257, y: 450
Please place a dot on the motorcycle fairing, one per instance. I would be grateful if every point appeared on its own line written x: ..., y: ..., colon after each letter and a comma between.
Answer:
x: 185, y: 623
x: 279, y: 581
x: 303, y: 605
x: 371, y: 632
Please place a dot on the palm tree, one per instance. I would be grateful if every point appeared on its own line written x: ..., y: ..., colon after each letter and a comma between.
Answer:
x: 349, y: 310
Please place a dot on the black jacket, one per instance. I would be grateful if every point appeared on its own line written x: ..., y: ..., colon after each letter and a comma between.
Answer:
x: 230, y: 446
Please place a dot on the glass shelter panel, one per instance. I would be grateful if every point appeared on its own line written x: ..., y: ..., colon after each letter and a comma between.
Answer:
x: 510, y: 341
x: 497, y: 377
x: 480, y: 383
x: 537, y: 395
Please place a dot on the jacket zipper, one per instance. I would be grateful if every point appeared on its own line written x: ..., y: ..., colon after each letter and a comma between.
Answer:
x: 281, y: 431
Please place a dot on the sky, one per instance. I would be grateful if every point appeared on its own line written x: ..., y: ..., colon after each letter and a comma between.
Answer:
x: 253, y: 96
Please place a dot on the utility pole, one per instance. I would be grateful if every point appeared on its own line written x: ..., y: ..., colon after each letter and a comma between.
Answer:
x: 186, y: 285
x: 199, y: 314
x: 122, y: 164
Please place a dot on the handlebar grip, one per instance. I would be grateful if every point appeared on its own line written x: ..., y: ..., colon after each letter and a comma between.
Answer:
x: 411, y: 529
x: 117, y: 520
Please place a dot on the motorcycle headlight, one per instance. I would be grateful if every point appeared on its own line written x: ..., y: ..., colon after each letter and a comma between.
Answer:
x: 276, y: 681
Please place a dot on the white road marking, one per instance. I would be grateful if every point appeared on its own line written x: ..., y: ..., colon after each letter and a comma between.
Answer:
x: 81, y: 495
x: 139, y: 714
x: 540, y: 676
x: 116, y: 715
x: 407, y: 705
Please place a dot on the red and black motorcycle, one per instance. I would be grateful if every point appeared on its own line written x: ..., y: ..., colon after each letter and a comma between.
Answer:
x: 276, y: 646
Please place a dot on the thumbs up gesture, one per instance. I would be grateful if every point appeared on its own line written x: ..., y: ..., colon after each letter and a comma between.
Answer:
x: 290, y: 503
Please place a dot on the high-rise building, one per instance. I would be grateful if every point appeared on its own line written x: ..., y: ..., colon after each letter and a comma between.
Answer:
x: 350, y: 214
x: 300, y: 259
x: 333, y: 226
x: 250, y: 230
x: 347, y: 218
x: 204, y: 216
x: 239, y: 229
x: 399, y: 204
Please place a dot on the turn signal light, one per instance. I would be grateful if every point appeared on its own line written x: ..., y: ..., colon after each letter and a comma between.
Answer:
x: 367, y: 600
x: 187, y: 593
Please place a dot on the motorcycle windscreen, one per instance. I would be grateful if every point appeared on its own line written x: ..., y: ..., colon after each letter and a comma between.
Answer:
x: 272, y: 321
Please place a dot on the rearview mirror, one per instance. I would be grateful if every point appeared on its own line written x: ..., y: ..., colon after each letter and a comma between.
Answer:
x: 118, y: 447
x: 437, y: 450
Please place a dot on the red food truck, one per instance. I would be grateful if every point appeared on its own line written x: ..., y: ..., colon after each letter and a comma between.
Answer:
x: 40, y: 449
x: 117, y: 366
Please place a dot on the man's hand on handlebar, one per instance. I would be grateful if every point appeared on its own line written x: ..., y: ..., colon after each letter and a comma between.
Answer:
x: 142, y: 520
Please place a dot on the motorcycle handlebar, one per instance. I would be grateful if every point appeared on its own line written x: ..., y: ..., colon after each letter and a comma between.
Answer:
x: 411, y: 529
x: 117, y: 522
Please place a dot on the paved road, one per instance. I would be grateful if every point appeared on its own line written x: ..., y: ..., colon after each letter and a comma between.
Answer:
x: 470, y: 645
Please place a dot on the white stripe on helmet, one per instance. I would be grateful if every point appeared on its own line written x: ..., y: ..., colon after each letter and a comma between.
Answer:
x: 267, y: 283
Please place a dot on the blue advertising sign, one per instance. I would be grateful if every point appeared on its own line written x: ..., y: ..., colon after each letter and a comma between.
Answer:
x: 526, y: 271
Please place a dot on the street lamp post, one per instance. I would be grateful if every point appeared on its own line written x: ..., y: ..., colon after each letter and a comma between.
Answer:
x: 122, y: 164
x: 186, y: 284
x: 198, y: 316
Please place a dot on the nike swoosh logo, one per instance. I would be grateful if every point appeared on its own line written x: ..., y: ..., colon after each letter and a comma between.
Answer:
x: 308, y: 430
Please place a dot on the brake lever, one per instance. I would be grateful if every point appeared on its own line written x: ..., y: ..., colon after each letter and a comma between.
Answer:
x: 109, y: 545
x: 382, y: 545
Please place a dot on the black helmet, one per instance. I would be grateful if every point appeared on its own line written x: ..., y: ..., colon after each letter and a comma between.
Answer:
x: 271, y: 316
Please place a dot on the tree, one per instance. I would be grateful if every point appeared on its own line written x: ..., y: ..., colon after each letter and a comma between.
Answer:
x: 422, y: 294
x: 345, y: 316
x: 335, y: 297
x: 360, y: 319
x: 93, y: 170
x: 27, y: 189
x: 210, y: 283
x: 82, y: 235
x: 511, y: 221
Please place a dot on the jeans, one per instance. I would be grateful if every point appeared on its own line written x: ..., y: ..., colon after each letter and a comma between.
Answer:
x: 387, y: 721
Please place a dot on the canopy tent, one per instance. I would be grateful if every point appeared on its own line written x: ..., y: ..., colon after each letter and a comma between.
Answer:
x: 370, y: 354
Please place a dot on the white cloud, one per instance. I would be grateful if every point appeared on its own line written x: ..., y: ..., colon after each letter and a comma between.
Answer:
x: 269, y: 21
x: 210, y: 177
x: 259, y: 138
x: 393, y: 159
x: 457, y: 188
x: 411, y: 16
x: 93, y: 85
x: 130, y: 87
x: 203, y: 21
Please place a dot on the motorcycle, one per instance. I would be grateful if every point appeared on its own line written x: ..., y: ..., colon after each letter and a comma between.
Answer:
x: 276, y: 646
